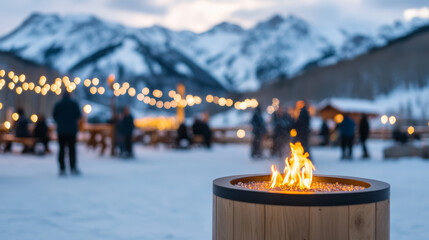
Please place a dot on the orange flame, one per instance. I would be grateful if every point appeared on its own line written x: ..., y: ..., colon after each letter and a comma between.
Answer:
x: 298, y: 170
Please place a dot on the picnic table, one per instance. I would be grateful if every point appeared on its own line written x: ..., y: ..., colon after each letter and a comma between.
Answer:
x: 98, y: 135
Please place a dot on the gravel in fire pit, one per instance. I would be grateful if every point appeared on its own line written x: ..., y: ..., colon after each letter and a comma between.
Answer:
x: 315, y: 187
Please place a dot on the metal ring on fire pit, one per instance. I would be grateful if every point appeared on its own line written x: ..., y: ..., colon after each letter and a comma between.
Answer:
x: 374, y: 191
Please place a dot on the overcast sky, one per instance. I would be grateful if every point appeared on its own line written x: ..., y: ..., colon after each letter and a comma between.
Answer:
x: 199, y: 15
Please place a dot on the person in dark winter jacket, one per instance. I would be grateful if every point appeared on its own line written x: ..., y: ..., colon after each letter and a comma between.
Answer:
x: 347, y: 134
x: 363, y: 134
x: 67, y: 114
x: 282, y: 124
x: 201, y: 127
x: 258, y: 130
x: 126, y: 128
x: 183, y: 140
x: 324, y: 133
x: 41, y: 133
x: 21, y: 129
x: 303, y: 128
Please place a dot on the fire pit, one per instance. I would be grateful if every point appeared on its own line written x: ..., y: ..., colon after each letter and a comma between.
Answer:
x: 324, y: 207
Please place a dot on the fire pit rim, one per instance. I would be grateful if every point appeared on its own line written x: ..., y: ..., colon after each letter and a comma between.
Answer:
x: 377, y: 191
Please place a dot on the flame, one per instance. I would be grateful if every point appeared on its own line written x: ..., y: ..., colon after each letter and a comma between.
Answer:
x: 298, y: 171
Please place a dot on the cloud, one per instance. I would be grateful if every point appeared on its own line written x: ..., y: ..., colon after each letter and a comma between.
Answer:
x: 416, y: 13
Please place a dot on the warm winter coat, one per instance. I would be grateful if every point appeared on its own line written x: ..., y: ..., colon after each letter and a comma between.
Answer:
x: 364, y: 128
x: 258, y: 124
x: 347, y: 127
x: 126, y: 126
x: 67, y: 114
x: 21, y: 129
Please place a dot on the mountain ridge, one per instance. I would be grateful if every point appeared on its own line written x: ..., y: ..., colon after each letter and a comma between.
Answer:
x: 226, y: 58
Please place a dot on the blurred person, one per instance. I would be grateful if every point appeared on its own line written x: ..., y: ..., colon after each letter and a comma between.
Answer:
x: 202, y: 128
x: 258, y: 130
x: 364, y: 134
x: 183, y: 140
x: 347, y: 134
x: 41, y: 133
x: 126, y: 128
x: 67, y: 115
x: 399, y: 136
x: 324, y: 133
x: 282, y: 124
x: 303, y: 128
x: 21, y: 131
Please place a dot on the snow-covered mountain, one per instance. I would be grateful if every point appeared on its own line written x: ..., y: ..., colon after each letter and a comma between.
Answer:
x: 224, y: 58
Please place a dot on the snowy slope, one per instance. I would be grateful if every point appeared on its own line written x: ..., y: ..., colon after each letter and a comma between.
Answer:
x: 355, y: 44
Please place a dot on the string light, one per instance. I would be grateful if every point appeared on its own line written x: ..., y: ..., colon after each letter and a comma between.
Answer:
x: 209, y: 98
x: 131, y: 92
x: 7, y: 124
x: 95, y: 81
x: 126, y: 85
x: 87, y: 109
x: 140, y: 96
x: 87, y: 83
x: 22, y: 78
x: 145, y: 91
x: 77, y: 80
x: 241, y: 133
x: 15, y: 116
x: 93, y: 90
x: 19, y: 90
x: 101, y: 90
x: 42, y: 80
x: 25, y: 86
x: 34, y: 118
x: 71, y: 86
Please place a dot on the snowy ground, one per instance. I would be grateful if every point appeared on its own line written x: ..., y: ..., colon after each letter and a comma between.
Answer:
x: 167, y: 194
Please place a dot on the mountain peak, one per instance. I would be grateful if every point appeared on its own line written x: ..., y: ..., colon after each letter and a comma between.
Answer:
x: 226, y: 27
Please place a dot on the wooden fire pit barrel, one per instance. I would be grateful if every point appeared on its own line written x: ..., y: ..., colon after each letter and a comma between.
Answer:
x: 244, y: 214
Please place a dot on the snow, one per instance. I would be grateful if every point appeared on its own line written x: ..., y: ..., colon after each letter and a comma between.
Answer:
x: 183, y: 69
x: 125, y: 56
x: 167, y: 194
x: 351, y: 105
x: 411, y: 102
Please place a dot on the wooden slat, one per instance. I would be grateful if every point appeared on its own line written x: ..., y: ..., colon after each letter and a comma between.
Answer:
x: 214, y: 218
x: 329, y: 223
x: 286, y: 223
x: 362, y: 221
x: 248, y: 221
x: 224, y: 219
x: 382, y: 220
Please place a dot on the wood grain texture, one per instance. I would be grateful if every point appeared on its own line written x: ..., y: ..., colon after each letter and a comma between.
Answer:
x: 362, y: 221
x: 329, y: 223
x: 382, y: 213
x: 286, y: 222
x: 248, y: 221
x: 214, y: 214
x: 224, y: 219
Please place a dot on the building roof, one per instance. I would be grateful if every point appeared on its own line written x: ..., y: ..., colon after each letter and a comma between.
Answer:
x: 350, y: 105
